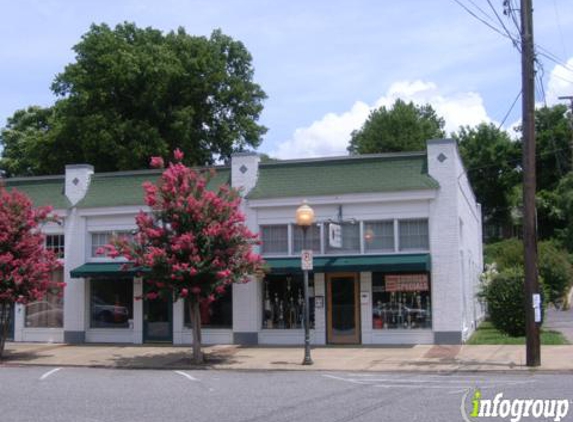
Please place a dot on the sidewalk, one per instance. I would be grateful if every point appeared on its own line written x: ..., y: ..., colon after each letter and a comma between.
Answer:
x: 422, y: 358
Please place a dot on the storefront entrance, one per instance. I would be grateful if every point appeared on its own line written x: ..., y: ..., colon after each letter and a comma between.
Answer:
x: 158, y: 321
x: 343, y: 310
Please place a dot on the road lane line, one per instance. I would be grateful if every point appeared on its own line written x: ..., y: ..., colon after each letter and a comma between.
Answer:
x: 47, y: 374
x: 186, y: 375
x: 345, y: 379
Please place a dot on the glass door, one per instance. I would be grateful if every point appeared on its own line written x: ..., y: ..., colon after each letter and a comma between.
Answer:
x: 157, y: 321
x: 343, y: 309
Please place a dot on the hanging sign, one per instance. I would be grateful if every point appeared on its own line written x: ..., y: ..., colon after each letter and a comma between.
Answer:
x: 334, y: 235
x: 306, y: 260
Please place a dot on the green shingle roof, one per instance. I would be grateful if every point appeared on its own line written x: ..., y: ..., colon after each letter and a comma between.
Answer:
x: 354, y: 174
x: 124, y: 188
x: 42, y: 191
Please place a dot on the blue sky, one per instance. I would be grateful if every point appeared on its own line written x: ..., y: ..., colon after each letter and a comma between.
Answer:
x: 323, y: 64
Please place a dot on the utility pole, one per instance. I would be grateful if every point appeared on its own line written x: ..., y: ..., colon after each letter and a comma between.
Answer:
x: 531, y: 288
x: 570, y: 98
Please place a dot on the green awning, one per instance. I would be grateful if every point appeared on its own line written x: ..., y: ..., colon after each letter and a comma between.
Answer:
x: 104, y: 269
x: 385, y: 263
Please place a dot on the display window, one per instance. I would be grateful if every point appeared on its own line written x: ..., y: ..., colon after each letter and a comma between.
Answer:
x: 283, y: 301
x: 401, y: 301
x: 111, y: 303
x: 49, y: 311
x: 216, y: 314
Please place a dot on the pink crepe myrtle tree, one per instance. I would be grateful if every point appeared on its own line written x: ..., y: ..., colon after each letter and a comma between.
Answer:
x: 26, y: 266
x: 193, y: 244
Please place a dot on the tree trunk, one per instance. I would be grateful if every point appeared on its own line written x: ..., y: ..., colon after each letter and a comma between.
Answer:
x: 196, y: 325
x: 5, y: 316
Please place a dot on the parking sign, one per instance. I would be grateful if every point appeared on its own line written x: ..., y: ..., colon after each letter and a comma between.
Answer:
x: 306, y: 260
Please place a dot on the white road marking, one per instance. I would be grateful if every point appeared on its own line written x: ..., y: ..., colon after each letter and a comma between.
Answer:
x: 345, y: 379
x: 186, y: 375
x: 47, y: 374
x: 430, y: 381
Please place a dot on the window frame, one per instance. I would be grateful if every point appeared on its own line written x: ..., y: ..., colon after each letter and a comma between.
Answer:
x: 287, y: 249
x: 393, y: 249
x: 131, y: 308
x: 427, y: 235
x: 59, y: 248
x: 91, y: 249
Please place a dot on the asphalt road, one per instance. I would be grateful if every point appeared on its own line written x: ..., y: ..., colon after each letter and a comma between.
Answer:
x: 94, y: 395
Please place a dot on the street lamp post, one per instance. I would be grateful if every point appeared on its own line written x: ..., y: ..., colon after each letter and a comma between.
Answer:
x: 304, y: 219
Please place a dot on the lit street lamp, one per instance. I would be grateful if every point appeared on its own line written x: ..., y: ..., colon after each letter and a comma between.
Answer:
x: 304, y: 219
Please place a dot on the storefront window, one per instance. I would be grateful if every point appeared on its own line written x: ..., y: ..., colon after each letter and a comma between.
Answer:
x: 48, y: 312
x: 217, y: 314
x: 312, y: 239
x: 283, y: 302
x: 413, y: 234
x: 274, y: 240
x: 378, y: 236
x: 401, y: 301
x: 111, y: 303
x: 350, y: 233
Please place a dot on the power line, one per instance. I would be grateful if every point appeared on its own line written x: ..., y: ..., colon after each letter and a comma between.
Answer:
x: 510, y: 109
x: 509, y: 34
x: 559, y: 27
x: 467, y: 9
x: 515, y: 161
x: 549, y: 55
x: 540, y: 80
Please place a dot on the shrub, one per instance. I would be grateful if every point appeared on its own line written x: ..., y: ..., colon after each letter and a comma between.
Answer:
x: 554, y: 263
x: 505, y: 301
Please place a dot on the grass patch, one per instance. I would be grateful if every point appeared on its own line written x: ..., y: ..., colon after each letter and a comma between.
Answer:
x: 488, y: 334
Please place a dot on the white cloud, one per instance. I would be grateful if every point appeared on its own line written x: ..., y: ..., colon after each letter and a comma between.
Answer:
x: 329, y: 136
x: 560, y: 82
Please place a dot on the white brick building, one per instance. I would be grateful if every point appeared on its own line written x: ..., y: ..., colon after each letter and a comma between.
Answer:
x: 407, y: 271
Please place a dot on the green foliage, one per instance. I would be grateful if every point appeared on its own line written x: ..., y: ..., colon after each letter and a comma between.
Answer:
x: 490, y: 157
x: 505, y: 302
x: 488, y: 334
x: 27, y: 142
x: 403, y: 127
x: 553, y: 136
x: 133, y: 93
x: 555, y: 266
x: 564, y: 204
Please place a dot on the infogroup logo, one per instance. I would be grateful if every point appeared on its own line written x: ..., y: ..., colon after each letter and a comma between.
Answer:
x: 513, y: 409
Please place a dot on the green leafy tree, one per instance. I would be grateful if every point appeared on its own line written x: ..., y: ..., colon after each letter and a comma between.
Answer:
x: 492, y: 161
x: 553, y: 136
x: 555, y: 266
x: 403, y: 127
x: 563, y: 199
x: 132, y: 93
x: 27, y: 142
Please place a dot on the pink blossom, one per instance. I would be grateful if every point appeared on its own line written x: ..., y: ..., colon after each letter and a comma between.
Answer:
x: 152, y: 295
x: 157, y: 162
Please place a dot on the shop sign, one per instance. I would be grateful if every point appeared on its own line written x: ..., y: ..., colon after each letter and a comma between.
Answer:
x: 406, y: 282
x: 335, y: 235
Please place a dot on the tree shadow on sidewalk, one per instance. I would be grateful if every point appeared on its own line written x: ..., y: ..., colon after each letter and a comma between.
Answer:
x: 15, y: 355
x: 180, y: 359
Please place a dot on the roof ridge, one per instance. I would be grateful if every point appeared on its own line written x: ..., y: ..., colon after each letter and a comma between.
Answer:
x: 33, y: 178
x: 358, y: 157
x: 142, y: 172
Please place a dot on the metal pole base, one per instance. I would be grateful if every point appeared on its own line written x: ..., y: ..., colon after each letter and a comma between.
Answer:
x: 307, y: 361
